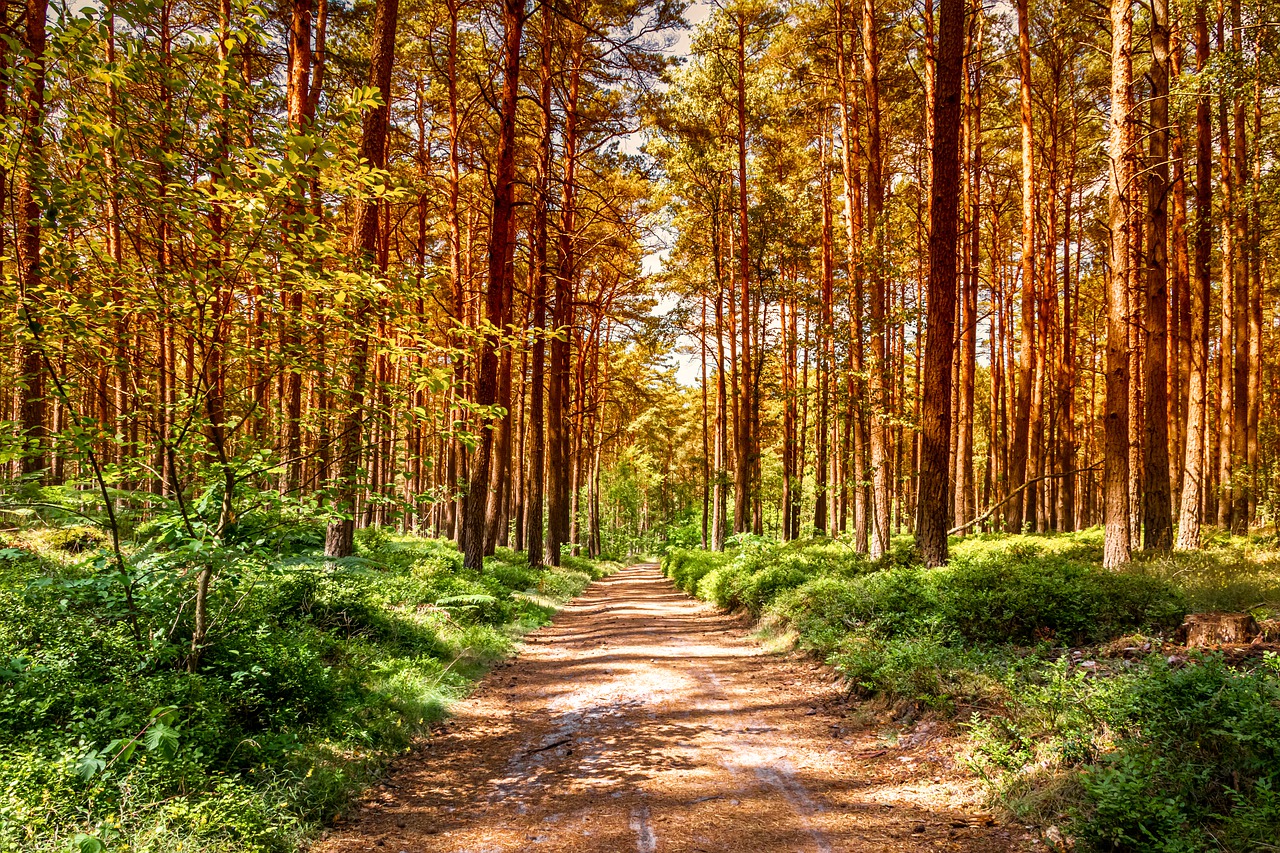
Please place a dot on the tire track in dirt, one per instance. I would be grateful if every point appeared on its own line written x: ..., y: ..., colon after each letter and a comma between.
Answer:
x: 642, y: 720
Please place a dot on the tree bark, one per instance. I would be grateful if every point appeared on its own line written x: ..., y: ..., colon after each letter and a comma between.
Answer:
x: 943, y: 214
x: 1116, y: 546
x: 743, y: 486
x: 1193, y: 469
x: 1157, y: 520
x: 1241, y: 485
x: 850, y: 155
x: 474, y: 535
x: 558, y: 415
x: 541, y: 274
x: 879, y: 368
x: 27, y: 215
x: 1027, y: 348
x: 339, y: 538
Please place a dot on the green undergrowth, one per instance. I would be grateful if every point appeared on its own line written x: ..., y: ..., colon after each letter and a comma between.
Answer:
x: 318, y: 673
x: 1076, y: 715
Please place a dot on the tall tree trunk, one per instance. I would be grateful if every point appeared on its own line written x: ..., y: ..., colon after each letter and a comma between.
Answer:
x: 706, y: 437
x: 541, y: 274
x: 943, y: 215
x: 825, y: 348
x: 501, y: 246
x: 339, y: 538
x: 1116, y: 547
x: 558, y: 416
x: 850, y: 156
x: 720, y: 498
x: 455, y: 467
x: 879, y: 368
x: 1254, y: 299
x: 1193, y: 469
x: 1226, y: 341
x: 1157, y: 520
x: 27, y: 214
x: 298, y: 103
x: 1180, y: 332
x: 1240, y: 475
x: 1027, y: 350
x: 743, y: 487
x: 1066, y: 352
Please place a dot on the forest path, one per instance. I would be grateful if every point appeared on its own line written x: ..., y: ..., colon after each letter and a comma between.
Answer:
x: 642, y: 720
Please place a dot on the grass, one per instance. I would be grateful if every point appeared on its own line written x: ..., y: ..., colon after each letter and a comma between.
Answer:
x: 1076, y: 716
x: 319, y: 673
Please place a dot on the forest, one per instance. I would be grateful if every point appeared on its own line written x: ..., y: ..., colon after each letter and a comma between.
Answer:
x: 348, y: 340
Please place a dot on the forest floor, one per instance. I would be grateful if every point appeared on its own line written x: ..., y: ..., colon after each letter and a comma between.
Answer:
x: 643, y: 720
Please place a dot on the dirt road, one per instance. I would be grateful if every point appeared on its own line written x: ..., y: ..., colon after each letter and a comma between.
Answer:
x: 641, y: 720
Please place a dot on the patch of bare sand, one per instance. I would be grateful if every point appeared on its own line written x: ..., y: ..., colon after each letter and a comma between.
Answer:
x: 642, y: 720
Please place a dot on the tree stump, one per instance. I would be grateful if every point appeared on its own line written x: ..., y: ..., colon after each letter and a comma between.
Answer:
x: 1269, y: 630
x: 1205, y: 630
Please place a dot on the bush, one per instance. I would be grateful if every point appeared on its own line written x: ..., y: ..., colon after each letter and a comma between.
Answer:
x: 687, y: 568
x: 923, y: 669
x: 1196, y: 746
x: 1026, y: 598
x: 75, y: 540
x: 317, y: 674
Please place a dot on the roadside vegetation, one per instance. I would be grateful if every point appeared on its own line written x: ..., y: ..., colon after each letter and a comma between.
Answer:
x: 316, y: 674
x: 1081, y: 710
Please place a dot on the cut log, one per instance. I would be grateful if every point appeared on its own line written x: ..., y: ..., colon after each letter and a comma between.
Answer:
x: 1206, y: 630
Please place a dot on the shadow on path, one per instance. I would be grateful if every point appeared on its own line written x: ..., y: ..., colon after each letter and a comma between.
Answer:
x: 641, y: 720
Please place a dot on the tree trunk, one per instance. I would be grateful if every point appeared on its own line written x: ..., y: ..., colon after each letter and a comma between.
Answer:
x: 1066, y: 351
x: 1180, y: 323
x: 743, y: 487
x: 943, y: 215
x: 455, y: 468
x: 541, y: 273
x: 501, y: 246
x: 1027, y: 349
x: 1240, y: 475
x: 1225, y: 343
x: 298, y: 103
x: 1116, y: 548
x: 879, y: 368
x: 1157, y: 521
x: 28, y: 211
x: 824, y: 339
x: 850, y: 155
x: 558, y: 416
x: 339, y: 538
x: 1193, y: 470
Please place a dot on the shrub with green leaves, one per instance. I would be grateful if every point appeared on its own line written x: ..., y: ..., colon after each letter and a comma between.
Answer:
x: 687, y: 567
x: 75, y: 540
x: 319, y: 671
x: 1196, y: 746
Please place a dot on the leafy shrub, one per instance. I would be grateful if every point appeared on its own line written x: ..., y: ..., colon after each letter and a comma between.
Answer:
x: 764, y: 586
x: 513, y: 577
x: 1028, y: 598
x: 278, y: 532
x: 687, y: 568
x: 318, y: 672
x: 75, y: 540
x: 1196, y: 746
x: 923, y: 669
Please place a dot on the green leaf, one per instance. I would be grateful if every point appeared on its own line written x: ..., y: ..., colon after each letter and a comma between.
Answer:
x: 90, y: 764
x: 162, y: 740
x: 88, y: 844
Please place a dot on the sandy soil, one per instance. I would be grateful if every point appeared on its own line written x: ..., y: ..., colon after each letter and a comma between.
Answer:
x: 643, y: 720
